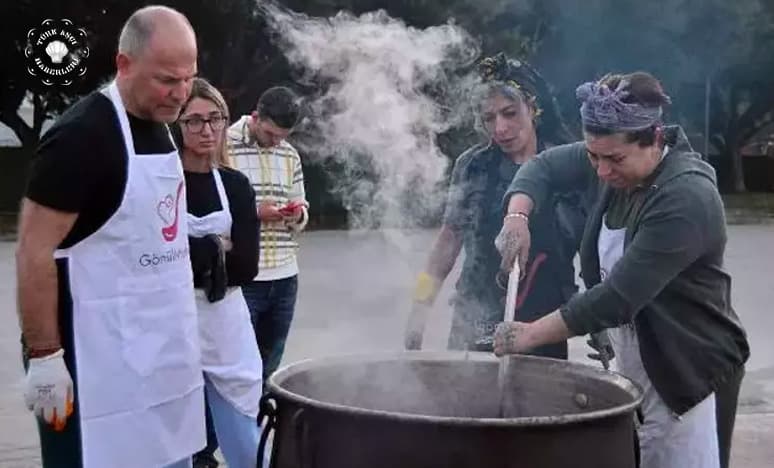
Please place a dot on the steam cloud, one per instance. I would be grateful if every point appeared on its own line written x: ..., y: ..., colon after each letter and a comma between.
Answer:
x: 387, y: 91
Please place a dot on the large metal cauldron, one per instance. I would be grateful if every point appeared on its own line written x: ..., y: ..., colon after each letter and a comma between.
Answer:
x: 411, y: 410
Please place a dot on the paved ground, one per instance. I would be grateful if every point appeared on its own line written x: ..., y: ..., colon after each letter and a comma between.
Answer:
x: 354, y: 296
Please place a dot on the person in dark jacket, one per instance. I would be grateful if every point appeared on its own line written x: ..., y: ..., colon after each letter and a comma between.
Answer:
x: 223, y: 240
x: 652, y: 260
x: 520, y: 117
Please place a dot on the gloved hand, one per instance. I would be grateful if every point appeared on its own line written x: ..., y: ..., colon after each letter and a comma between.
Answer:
x: 228, y: 245
x: 219, y: 275
x: 484, y: 344
x: 604, y: 349
x: 425, y: 292
x: 415, y: 327
x: 49, y: 389
x: 513, y: 242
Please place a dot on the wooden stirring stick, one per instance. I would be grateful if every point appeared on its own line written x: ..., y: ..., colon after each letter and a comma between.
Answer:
x: 510, y: 312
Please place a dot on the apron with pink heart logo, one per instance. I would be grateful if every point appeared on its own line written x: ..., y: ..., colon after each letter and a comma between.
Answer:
x: 230, y: 355
x: 136, y: 344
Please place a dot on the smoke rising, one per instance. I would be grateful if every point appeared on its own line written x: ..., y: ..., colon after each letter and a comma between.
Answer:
x: 386, y: 91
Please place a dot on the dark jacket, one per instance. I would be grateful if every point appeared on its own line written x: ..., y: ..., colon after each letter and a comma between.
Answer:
x: 670, y: 280
x: 213, y: 269
x: 480, y: 178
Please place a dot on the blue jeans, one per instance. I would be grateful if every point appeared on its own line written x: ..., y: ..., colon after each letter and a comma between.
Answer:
x: 206, y: 456
x: 271, y: 305
x: 238, y: 433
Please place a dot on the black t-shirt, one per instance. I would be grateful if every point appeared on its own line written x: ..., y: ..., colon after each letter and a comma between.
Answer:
x: 202, y: 198
x: 81, y: 162
x: 480, y: 178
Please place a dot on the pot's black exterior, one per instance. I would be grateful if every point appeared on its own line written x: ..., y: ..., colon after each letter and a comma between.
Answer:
x: 333, y: 425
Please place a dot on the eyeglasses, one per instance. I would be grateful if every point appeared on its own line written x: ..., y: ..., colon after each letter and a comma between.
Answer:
x: 196, y: 124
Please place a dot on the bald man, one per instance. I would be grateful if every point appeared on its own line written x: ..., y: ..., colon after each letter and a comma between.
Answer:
x: 106, y: 299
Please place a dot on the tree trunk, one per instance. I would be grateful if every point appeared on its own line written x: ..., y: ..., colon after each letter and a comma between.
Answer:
x: 24, y: 132
x: 38, y: 117
x: 737, y: 170
x: 733, y: 138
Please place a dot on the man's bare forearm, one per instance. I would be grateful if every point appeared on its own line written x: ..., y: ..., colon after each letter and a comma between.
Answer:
x: 37, y: 296
x: 41, y: 230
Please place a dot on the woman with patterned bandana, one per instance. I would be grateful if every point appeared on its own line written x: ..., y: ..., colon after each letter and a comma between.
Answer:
x: 520, y: 118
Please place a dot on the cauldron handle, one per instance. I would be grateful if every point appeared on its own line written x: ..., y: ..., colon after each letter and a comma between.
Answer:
x: 268, y: 411
x: 301, y: 431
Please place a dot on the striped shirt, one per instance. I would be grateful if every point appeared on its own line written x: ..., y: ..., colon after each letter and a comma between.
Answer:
x: 276, y: 175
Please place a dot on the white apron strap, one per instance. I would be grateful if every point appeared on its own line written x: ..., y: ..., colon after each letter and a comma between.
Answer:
x: 123, y: 119
x: 221, y: 190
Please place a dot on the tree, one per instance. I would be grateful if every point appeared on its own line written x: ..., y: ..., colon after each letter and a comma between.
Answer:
x: 741, y: 103
x: 743, y: 94
x: 235, y: 51
x: 234, y: 54
x: 16, y: 84
x: 102, y: 27
x: 685, y: 43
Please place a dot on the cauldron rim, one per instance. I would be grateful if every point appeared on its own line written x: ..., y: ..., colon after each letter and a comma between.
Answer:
x: 613, y: 378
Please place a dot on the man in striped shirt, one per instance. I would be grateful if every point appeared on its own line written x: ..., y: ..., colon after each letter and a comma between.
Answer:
x: 259, y: 150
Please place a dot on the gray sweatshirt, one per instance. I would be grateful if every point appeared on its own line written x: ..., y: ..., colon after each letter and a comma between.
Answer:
x: 670, y: 281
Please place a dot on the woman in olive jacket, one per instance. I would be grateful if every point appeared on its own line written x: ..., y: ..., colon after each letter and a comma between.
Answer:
x: 652, y: 261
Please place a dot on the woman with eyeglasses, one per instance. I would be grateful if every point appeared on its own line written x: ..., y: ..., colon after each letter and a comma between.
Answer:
x: 223, y: 238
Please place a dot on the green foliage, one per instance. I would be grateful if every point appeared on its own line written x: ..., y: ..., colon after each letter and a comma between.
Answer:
x: 686, y: 43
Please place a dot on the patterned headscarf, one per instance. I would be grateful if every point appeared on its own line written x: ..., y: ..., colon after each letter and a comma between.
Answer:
x: 523, y: 78
x: 605, y: 108
x: 513, y: 73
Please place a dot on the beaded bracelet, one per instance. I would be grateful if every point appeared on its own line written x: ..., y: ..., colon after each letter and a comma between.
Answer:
x: 518, y: 214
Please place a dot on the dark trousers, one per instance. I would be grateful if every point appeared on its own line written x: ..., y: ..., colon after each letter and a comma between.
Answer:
x: 61, y: 448
x: 726, y: 401
x: 271, y: 305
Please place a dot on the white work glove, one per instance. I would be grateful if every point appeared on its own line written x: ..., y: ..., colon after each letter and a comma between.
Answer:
x: 49, y: 389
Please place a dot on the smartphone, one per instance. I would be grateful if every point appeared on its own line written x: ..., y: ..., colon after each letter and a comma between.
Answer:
x: 290, y: 208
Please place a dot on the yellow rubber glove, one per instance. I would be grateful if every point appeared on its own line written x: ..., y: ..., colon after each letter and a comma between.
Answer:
x: 425, y: 291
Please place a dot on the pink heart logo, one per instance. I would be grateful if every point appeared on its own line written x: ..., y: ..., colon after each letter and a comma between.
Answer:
x: 166, y: 210
x: 170, y: 213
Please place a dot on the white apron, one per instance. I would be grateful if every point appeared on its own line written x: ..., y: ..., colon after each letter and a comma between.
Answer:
x: 230, y: 355
x: 666, y: 440
x: 136, y: 345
